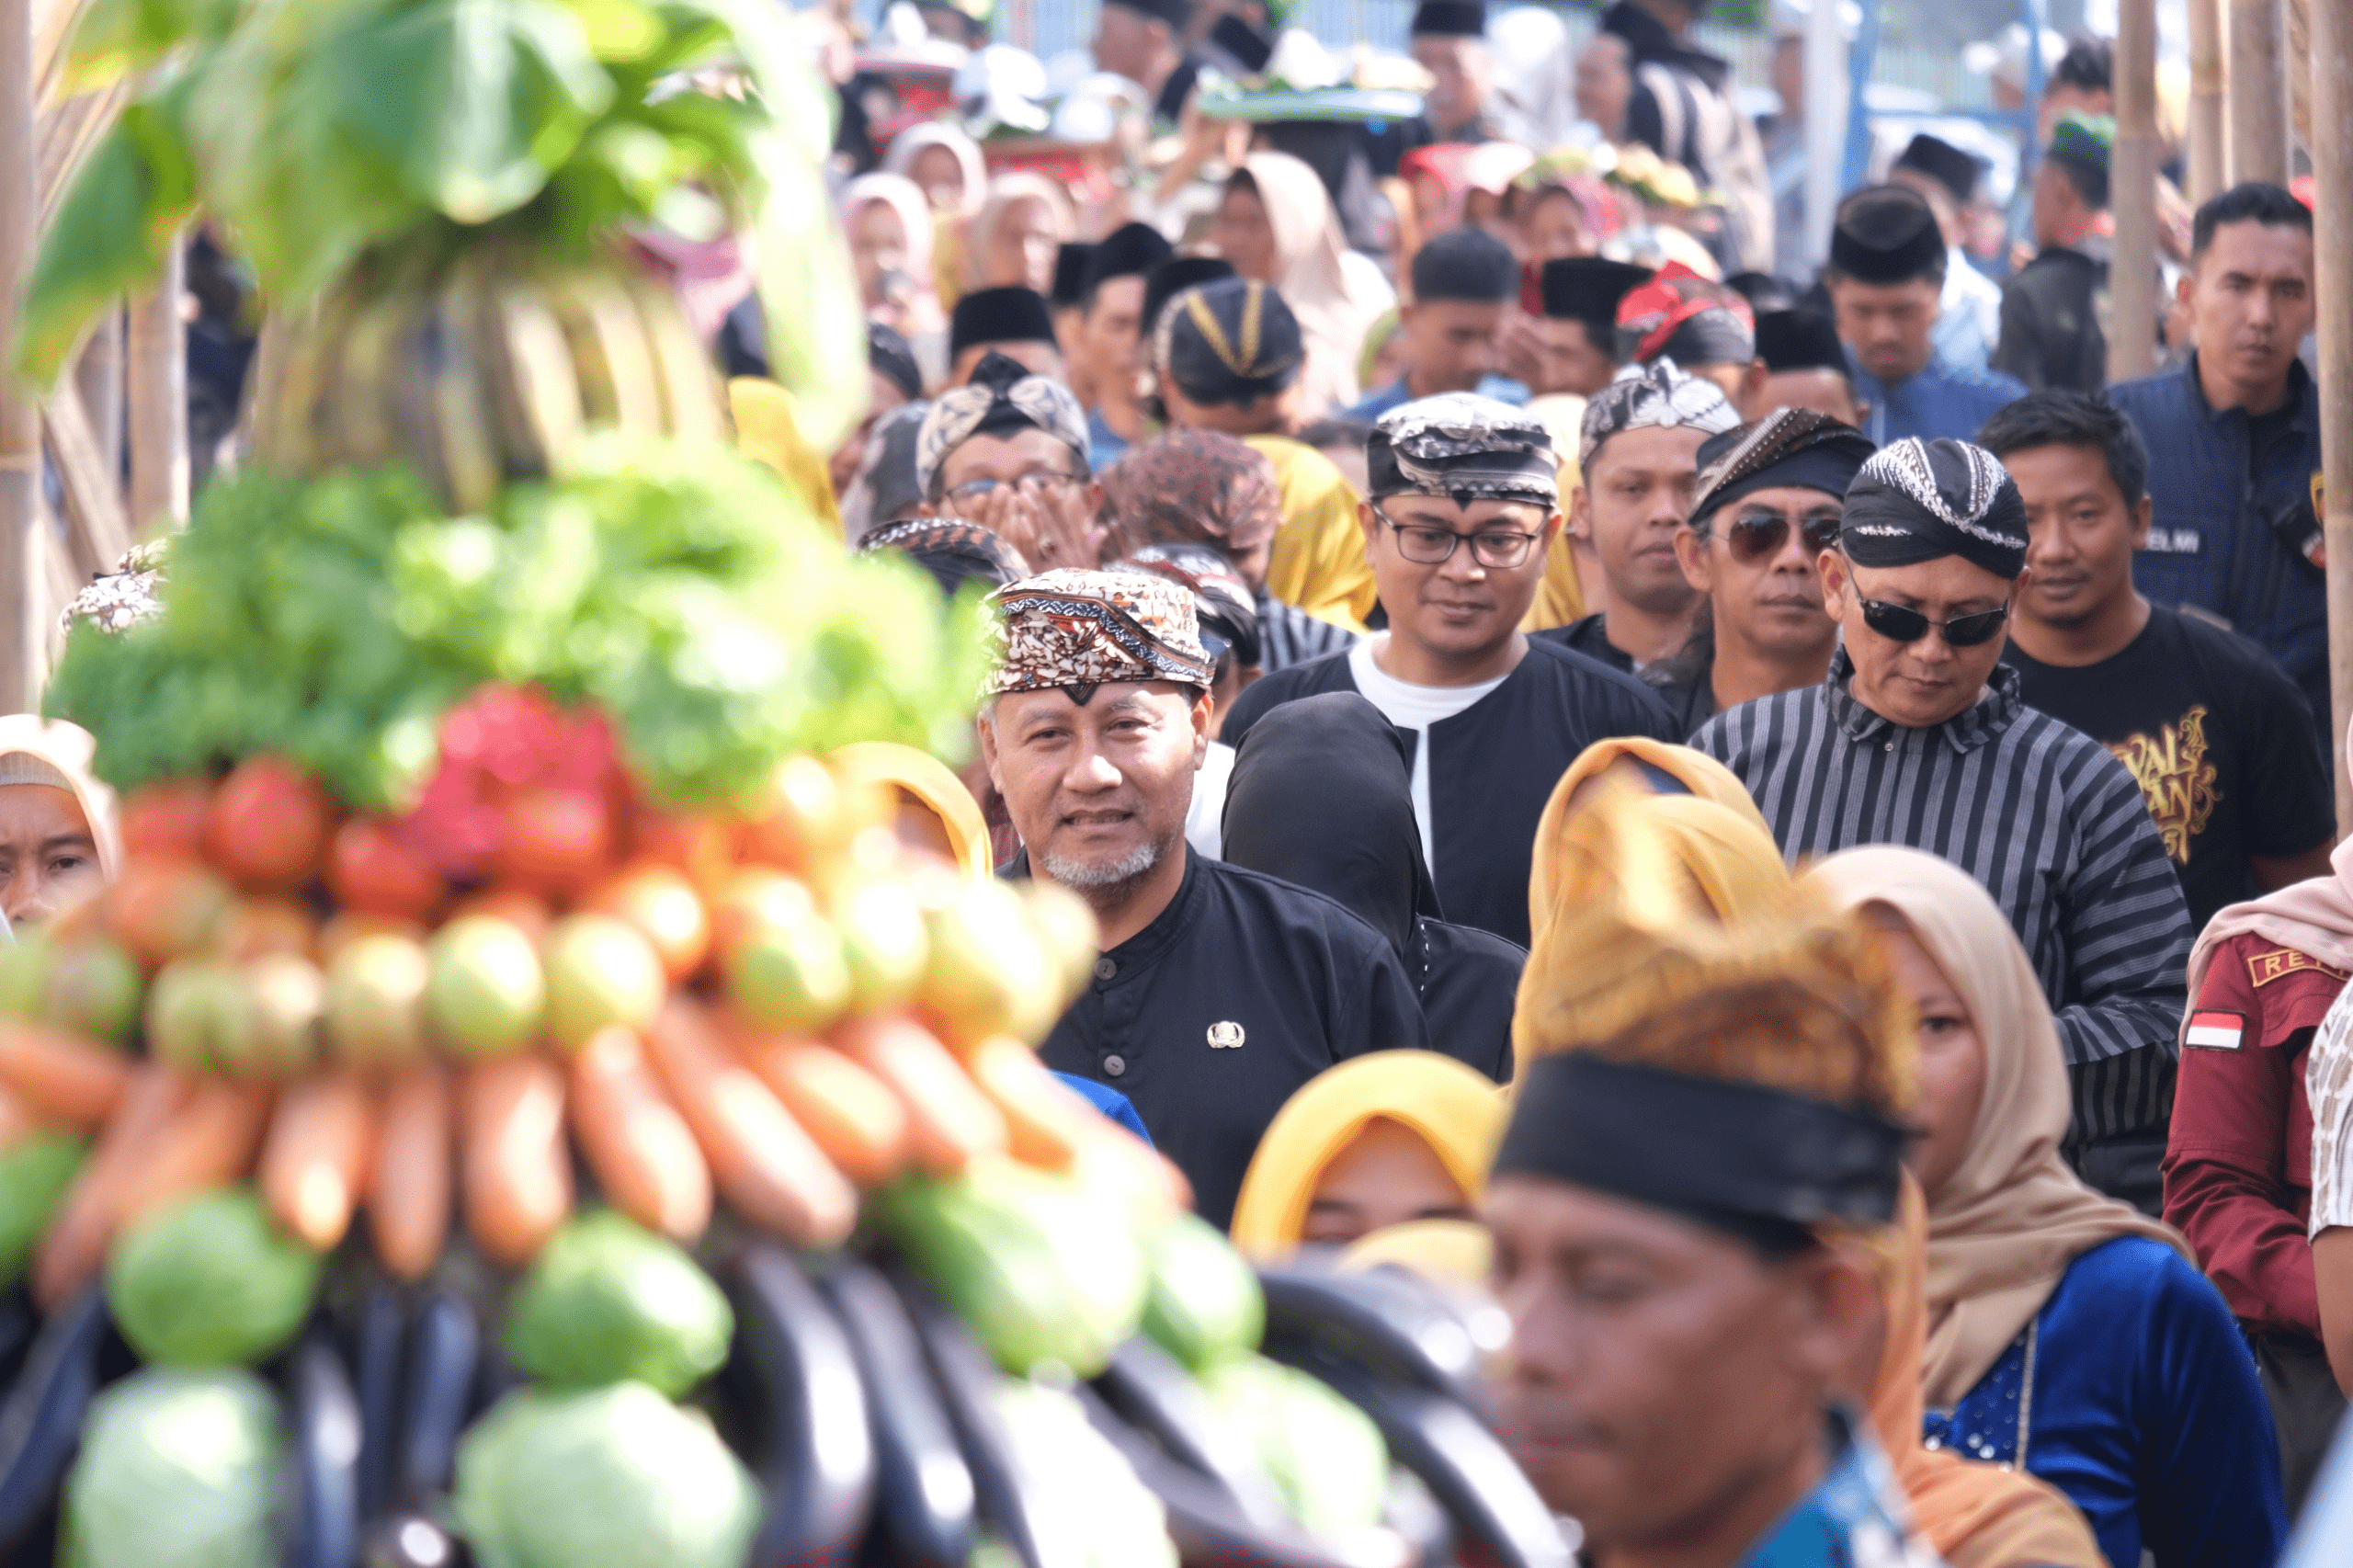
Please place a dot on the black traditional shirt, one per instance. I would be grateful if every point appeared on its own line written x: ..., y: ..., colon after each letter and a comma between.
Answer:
x: 2043, y: 816
x: 1211, y: 1017
x: 1493, y: 766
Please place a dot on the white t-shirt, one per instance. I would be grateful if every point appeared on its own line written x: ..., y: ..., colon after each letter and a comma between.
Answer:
x: 1205, y: 818
x: 2328, y: 1087
x: 1415, y: 708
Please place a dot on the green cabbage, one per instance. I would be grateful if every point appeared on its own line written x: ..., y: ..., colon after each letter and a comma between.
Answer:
x: 615, y: 1477
x: 210, y: 1282
x: 609, y: 1300
x: 179, y: 1470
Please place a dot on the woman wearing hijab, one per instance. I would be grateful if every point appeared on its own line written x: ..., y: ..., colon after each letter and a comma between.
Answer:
x: 1380, y: 1139
x: 889, y: 233
x: 1275, y: 225
x: 57, y: 844
x: 1975, y: 1515
x: 1017, y: 235
x: 2069, y: 1336
x: 1322, y: 796
x: 944, y: 162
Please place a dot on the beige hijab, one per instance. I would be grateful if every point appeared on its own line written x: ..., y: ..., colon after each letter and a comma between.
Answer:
x: 34, y: 750
x: 2004, y: 1227
x: 2314, y: 917
x: 1004, y: 192
x: 1310, y: 275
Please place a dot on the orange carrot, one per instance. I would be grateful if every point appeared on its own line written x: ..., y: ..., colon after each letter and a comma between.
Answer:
x: 640, y: 1148
x: 949, y: 1122
x: 209, y: 1141
x: 78, y: 1238
x: 1045, y: 1120
x: 853, y: 1115
x: 765, y: 1164
x: 62, y: 1076
x: 317, y: 1155
x: 518, y: 1173
x: 408, y: 1190
x: 17, y: 1120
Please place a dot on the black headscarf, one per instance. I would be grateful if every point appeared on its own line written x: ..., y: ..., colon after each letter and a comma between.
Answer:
x: 1322, y: 796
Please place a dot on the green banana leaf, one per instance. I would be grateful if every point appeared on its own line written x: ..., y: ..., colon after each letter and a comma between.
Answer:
x: 116, y: 39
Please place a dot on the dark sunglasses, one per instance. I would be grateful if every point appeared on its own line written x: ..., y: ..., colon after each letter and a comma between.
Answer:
x: 1757, y: 536
x: 1898, y: 624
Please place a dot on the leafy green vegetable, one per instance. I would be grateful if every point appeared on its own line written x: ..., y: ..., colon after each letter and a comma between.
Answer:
x: 615, y: 1477
x: 33, y: 1179
x: 210, y: 1282
x: 607, y: 1299
x: 684, y: 590
x: 178, y: 1468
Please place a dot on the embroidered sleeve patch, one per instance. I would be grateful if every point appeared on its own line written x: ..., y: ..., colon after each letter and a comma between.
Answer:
x: 2215, y: 1031
x: 2262, y: 968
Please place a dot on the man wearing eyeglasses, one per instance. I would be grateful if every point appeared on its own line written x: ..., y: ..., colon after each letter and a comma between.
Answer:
x: 1766, y: 509
x: 1465, y: 499
x: 1007, y: 452
x: 1919, y: 737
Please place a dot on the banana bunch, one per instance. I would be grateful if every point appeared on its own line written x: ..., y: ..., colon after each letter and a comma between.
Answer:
x: 478, y: 370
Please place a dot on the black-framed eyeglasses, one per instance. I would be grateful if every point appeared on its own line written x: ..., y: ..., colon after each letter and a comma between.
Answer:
x: 1498, y: 550
x: 1899, y: 624
x: 971, y: 491
x: 1758, y: 535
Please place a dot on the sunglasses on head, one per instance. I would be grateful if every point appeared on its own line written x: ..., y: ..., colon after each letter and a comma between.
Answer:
x: 1898, y: 624
x: 1758, y: 536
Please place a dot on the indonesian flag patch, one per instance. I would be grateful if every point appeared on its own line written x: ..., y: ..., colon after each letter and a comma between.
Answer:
x: 2215, y: 1031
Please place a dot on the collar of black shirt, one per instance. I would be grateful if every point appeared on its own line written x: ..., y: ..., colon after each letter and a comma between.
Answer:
x: 1965, y: 730
x: 1149, y: 945
x: 2303, y: 397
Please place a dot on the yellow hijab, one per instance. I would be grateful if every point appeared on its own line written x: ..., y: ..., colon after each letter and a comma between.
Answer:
x: 767, y: 432
x: 933, y: 785
x: 1453, y: 1106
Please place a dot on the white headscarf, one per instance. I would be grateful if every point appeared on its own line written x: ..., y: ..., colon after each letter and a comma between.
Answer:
x: 37, y: 751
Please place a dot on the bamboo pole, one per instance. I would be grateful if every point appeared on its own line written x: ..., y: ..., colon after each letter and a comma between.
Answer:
x: 158, y: 360
x: 2332, y: 101
x: 2133, y: 187
x: 2210, y: 117
x: 2258, y: 89
x: 22, y: 564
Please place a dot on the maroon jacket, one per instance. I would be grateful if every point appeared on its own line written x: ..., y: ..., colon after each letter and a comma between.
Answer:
x: 2238, y: 1163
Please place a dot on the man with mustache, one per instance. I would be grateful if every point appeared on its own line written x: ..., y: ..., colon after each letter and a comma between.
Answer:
x: 1218, y: 992
x: 1767, y: 509
x: 1464, y: 502
x: 1919, y: 737
x: 2234, y: 439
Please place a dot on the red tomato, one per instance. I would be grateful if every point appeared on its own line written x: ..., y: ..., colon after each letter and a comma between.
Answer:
x: 165, y: 908
x: 372, y: 867
x: 665, y: 908
x: 165, y: 820
x: 555, y: 840
x: 255, y: 927
x: 269, y: 825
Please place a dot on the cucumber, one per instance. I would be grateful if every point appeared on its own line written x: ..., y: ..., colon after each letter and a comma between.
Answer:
x: 1203, y: 1303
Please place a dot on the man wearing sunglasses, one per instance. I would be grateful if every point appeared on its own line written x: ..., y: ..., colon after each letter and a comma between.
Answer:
x: 1919, y: 737
x: 1465, y: 500
x: 1767, y: 508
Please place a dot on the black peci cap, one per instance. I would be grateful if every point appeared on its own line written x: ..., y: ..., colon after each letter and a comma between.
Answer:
x: 1175, y: 276
x: 1131, y: 250
x: 1887, y: 233
x: 1450, y: 18
x: 1800, y: 340
x: 1944, y: 163
x: 1763, y: 291
x: 1587, y: 288
x: 1178, y: 13
x: 888, y: 356
x: 1070, y: 271
x: 999, y: 315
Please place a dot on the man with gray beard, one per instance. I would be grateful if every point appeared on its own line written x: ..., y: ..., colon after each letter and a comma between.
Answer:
x: 1218, y: 991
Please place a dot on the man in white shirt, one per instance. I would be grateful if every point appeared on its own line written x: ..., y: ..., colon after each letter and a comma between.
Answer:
x: 1969, y: 308
x: 1465, y: 500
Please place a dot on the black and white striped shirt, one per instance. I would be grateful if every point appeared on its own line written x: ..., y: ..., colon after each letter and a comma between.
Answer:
x: 1288, y: 635
x: 2042, y: 815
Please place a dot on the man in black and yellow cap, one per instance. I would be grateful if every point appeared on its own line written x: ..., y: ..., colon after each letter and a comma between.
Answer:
x: 2051, y: 311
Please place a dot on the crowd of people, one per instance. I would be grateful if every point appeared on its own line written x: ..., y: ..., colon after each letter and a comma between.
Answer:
x: 1761, y: 813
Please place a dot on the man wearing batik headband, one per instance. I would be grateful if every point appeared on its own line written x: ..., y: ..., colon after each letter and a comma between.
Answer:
x: 1464, y: 502
x: 1007, y: 450
x: 1919, y: 737
x: 1218, y: 992
x: 1703, y: 1160
x: 1639, y: 463
x: 1767, y: 508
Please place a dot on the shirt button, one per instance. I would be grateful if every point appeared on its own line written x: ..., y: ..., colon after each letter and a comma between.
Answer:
x: 1890, y: 745
x: 1105, y: 968
x: 1115, y: 1065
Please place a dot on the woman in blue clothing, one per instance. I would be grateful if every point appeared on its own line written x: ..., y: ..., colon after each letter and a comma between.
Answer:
x: 2068, y: 1334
